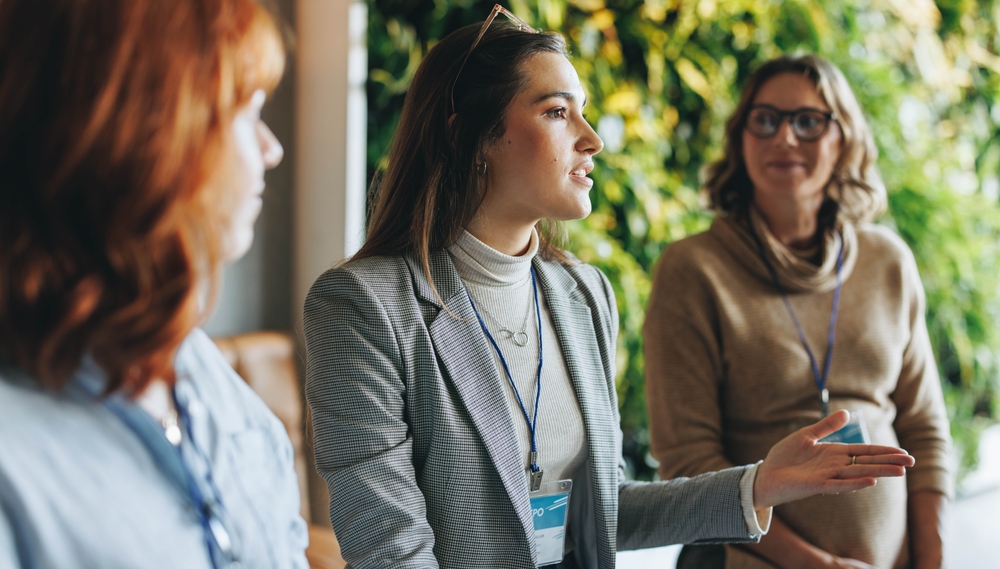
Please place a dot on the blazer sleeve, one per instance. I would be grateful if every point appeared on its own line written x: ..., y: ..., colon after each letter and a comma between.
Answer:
x: 705, y: 509
x: 921, y: 418
x: 356, y: 390
x: 702, y: 510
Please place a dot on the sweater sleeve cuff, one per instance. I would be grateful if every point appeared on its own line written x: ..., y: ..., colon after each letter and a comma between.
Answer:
x: 758, y: 521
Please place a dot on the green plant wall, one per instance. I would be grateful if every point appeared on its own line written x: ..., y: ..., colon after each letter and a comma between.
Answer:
x: 662, y: 77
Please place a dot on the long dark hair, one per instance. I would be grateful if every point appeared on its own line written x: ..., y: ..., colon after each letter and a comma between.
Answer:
x: 433, y: 186
x: 855, y: 189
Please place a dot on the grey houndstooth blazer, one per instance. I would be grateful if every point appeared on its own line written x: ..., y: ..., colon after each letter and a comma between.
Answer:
x: 414, y: 435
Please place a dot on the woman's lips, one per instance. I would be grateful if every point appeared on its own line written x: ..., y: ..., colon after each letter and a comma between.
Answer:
x: 785, y: 164
x: 579, y: 175
x: 582, y: 179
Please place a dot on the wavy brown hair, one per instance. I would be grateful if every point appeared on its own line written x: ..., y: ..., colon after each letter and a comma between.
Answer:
x: 115, y: 113
x: 855, y: 189
x: 433, y: 187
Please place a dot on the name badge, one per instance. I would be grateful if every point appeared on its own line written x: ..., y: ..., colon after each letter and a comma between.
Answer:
x: 549, y: 511
x: 854, y: 432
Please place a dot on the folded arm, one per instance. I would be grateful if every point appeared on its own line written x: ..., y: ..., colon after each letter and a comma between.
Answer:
x: 786, y: 549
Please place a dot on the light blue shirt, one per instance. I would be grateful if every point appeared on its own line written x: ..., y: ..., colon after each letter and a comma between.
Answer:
x: 79, y: 489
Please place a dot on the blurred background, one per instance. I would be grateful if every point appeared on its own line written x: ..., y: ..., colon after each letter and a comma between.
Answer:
x: 662, y: 76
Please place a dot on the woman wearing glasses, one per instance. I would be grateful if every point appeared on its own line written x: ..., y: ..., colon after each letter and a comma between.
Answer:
x: 792, y: 305
x: 461, y: 366
x: 132, y: 159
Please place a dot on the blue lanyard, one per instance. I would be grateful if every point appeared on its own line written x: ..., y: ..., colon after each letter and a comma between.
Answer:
x: 171, y: 461
x: 536, y: 473
x: 824, y: 393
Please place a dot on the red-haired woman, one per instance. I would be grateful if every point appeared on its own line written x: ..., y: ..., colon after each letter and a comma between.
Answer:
x: 132, y: 158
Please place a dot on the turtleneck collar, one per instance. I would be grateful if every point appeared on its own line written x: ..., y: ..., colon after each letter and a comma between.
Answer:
x: 796, y: 270
x: 479, y: 263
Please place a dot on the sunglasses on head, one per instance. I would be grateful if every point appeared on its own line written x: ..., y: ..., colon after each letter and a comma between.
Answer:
x: 497, y: 10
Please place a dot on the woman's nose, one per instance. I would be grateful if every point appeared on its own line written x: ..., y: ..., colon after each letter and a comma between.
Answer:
x: 786, y: 133
x: 590, y: 142
x: 270, y: 148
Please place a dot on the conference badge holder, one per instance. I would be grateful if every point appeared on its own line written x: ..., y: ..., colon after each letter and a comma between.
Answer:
x: 549, y: 512
x: 854, y: 432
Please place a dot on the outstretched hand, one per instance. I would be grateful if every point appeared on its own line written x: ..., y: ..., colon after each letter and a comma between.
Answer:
x: 800, y: 466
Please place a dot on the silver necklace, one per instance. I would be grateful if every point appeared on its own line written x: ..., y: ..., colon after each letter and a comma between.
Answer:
x: 519, y: 338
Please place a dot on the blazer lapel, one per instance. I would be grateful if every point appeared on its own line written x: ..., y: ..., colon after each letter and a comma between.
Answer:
x: 467, y: 361
x: 574, y: 326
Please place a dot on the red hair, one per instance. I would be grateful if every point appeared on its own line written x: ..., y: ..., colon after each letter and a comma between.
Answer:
x: 115, y: 113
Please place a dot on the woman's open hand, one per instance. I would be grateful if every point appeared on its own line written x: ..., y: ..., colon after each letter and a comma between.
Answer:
x: 800, y: 466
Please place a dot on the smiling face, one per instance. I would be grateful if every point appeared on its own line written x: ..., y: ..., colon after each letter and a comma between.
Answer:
x: 251, y: 150
x: 782, y: 168
x: 538, y: 168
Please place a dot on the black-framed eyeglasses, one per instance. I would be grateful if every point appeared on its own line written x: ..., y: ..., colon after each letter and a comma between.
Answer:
x: 808, y: 124
x: 497, y: 9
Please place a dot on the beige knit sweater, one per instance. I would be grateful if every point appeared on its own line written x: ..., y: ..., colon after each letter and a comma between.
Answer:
x: 727, y: 376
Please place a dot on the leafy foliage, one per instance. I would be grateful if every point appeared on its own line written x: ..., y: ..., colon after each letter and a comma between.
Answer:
x: 662, y: 76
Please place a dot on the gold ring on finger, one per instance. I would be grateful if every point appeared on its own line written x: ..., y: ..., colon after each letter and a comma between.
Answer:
x: 854, y: 459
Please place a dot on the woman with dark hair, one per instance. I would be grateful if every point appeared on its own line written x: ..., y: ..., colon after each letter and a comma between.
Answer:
x: 461, y: 366
x: 132, y: 159
x: 743, y: 320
